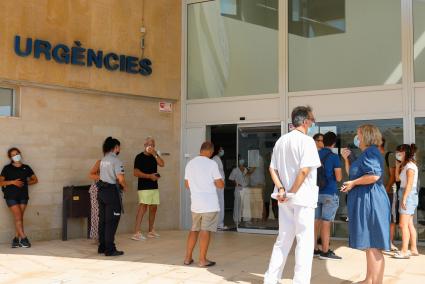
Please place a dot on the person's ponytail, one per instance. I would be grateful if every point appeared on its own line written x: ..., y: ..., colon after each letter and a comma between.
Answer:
x: 110, y: 144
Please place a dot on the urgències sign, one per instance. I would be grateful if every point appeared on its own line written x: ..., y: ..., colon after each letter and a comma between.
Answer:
x: 78, y: 55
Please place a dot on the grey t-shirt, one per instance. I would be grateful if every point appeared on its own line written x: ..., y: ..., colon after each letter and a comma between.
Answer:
x: 110, y: 167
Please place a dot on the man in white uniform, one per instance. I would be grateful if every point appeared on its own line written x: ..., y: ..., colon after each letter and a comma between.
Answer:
x: 293, y: 170
x: 217, y: 156
x: 239, y: 176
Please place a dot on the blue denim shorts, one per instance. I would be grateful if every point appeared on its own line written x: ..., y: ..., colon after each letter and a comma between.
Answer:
x: 13, y: 202
x: 327, y: 205
x: 411, y: 202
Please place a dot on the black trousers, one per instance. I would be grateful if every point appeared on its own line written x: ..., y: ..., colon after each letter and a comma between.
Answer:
x: 109, y: 217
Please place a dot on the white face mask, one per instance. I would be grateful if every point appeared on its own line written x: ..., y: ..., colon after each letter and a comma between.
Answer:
x: 241, y: 162
x: 17, y: 158
x: 399, y: 157
x: 221, y: 153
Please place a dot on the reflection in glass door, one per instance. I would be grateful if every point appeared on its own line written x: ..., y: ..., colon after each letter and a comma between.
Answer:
x: 258, y: 212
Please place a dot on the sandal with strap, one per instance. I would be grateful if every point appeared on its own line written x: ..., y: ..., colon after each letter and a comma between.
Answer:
x: 400, y: 255
x: 188, y: 263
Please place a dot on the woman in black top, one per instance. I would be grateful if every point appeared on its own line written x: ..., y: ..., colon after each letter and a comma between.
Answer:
x: 15, y: 179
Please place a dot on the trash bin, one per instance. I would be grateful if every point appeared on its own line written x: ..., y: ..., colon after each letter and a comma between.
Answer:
x: 76, y: 204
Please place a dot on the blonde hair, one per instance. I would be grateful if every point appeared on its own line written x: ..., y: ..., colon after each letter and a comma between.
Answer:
x: 371, y: 135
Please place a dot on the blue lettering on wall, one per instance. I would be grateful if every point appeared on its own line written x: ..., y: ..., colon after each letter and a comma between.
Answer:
x: 107, y: 61
x: 92, y: 56
x: 28, y: 46
x: 80, y: 56
x: 60, y: 53
x: 145, y: 67
x: 42, y: 46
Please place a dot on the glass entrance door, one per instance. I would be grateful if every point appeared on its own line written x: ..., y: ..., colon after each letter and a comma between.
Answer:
x: 254, y: 210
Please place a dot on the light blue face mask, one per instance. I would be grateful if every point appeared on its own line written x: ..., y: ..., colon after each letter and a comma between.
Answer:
x: 311, y: 129
x: 356, y: 141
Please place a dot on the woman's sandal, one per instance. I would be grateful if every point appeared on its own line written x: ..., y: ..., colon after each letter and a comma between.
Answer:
x: 400, y: 255
x: 209, y: 264
x: 414, y: 253
x: 188, y: 263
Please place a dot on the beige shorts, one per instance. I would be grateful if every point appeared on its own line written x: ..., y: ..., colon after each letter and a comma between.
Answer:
x: 204, y: 221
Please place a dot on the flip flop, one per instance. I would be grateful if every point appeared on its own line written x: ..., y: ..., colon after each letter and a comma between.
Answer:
x: 209, y: 264
x: 414, y: 253
x: 188, y: 263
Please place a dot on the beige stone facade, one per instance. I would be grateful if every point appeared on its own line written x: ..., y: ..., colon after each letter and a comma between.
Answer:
x: 66, y: 111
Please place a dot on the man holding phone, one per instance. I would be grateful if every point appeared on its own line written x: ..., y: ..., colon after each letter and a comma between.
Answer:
x: 146, y: 169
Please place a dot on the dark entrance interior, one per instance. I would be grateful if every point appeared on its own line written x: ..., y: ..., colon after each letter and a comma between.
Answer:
x: 225, y: 136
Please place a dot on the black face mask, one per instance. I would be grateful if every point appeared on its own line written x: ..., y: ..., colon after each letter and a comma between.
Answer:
x: 117, y: 153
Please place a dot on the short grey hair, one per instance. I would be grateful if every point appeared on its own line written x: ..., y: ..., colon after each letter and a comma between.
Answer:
x: 149, y: 138
x: 300, y: 114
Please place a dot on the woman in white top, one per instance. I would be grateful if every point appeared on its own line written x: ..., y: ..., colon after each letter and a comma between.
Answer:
x: 218, y: 153
x: 407, y: 173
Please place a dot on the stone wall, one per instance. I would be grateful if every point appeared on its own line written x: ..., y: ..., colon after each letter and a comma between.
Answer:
x: 66, y: 111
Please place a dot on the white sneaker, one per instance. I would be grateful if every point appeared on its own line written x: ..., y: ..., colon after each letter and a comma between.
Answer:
x: 138, y: 237
x: 153, y: 235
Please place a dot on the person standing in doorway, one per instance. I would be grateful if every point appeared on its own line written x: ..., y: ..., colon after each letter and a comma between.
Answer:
x: 268, y: 190
x: 239, y: 176
x: 293, y: 169
x: 217, y: 156
x: 328, y: 201
x: 203, y: 178
x: 15, y: 179
x: 146, y: 170
x: 110, y: 185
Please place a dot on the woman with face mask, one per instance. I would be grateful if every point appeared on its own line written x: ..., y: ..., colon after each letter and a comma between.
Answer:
x: 217, y: 156
x: 407, y: 173
x: 110, y: 186
x: 15, y: 179
x: 368, y: 205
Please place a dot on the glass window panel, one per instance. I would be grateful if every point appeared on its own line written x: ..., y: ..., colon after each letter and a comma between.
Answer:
x: 392, y: 131
x: 232, y: 48
x: 419, y: 39
x: 6, y: 102
x: 420, y: 156
x: 255, y: 146
x: 343, y: 43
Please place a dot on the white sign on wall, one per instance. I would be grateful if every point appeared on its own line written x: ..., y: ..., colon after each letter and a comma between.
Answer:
x: 165, y: 107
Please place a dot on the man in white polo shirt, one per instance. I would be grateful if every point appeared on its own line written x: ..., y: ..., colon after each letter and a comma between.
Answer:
x: 202, y: 178
x: 293, y: 170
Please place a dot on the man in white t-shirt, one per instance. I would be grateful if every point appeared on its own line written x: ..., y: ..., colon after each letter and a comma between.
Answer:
x: 202, y: 178
x: 293, y: 170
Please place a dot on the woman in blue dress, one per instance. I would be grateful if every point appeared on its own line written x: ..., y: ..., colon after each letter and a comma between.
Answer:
x: 368, y: 205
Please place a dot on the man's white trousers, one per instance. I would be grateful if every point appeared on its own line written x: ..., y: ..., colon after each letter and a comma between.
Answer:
x: 294, y: 221
x: 220, y: 194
